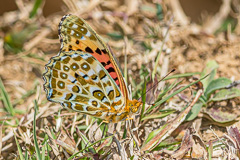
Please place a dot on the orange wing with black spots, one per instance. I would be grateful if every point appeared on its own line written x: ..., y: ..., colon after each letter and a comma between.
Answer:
x: 76, y: 35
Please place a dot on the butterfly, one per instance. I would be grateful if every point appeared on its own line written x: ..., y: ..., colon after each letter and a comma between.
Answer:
x: 85, y: 77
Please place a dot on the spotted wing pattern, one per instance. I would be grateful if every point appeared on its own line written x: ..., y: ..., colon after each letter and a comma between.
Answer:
x: 77, y: 35
x: 79, y: 82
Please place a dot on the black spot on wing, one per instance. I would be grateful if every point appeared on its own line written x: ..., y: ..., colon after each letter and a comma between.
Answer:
x: 110, y: 69
x: 74, y: 81
x: 104, y: 51
x: 85, y: 76
x: 105, y: 64
x: 98, y: 51
x: 76, y: 75
x: 89, y: 50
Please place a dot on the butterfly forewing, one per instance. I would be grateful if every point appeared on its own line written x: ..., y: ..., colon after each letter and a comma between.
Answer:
x: 76, y: 35
x: 78, y: 81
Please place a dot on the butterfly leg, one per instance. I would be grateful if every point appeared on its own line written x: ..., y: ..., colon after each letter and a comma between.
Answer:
x: 129, y: 118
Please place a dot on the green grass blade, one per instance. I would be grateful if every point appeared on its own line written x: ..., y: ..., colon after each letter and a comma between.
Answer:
x: 160, y: 114
x: 159, y: 54
x: 125, y: 63
x: 6, y: 100
x: 36, y: 6
x: 181, y: 75
x: 26, y: 155
x: 143, y: 100
x: 19, y: 148
x: 34, y: 132
x: 165, y: 91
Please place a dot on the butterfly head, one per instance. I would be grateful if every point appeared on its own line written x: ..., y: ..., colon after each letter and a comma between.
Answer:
x: 134, y: 105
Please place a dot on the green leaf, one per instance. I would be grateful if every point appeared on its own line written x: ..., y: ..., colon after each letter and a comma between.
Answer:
x: 217, y: 84
x: 159, y: 115
x: 194, y: 111
x: 225, y: 94
x: 220, y: 116
x: 212, y: 69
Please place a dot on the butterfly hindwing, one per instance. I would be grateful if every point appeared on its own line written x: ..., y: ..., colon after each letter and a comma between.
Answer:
x: 78, y: 81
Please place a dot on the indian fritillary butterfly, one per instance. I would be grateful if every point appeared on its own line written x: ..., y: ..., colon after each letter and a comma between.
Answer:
x: 85, y: 77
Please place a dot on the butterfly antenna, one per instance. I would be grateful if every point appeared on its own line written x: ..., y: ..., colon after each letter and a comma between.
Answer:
x: 158, y: 82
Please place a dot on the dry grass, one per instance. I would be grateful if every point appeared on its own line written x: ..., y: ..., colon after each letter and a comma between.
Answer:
x: 155, y: 37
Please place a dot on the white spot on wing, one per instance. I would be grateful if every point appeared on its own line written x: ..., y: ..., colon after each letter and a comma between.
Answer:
x: 98, y: 68
x: 85, y: 56
x: 81, y: 73
x: 92, y: 89
x: 74, y: 55
x: 88, y: 34
x: 105, y: 100
x: 91, y: 72
x: 61, y: 84
x: 75, y: 26
x: 85, y: 108
x: 117, y: 98
x: 85, y: 66
x: 117, y: 107
x: 105, y: 79
x: 71, y: 78
x: 108, y: 89
x: 83, y: 38
x: 72, y: 32
x: 64, y: 75
x: 69, y: 87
